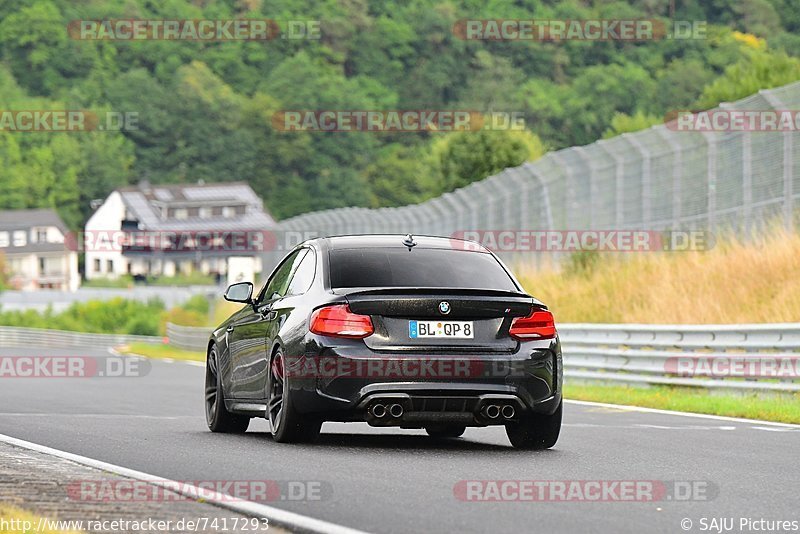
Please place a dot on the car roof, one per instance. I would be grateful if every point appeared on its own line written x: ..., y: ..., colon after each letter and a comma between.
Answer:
x: 398, y: 241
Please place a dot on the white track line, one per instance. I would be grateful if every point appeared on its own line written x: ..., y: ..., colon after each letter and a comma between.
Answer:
x: 276, y: 516
x: 627, y: 408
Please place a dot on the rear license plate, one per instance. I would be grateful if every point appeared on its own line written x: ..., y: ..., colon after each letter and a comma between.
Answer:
x: 448, y: 329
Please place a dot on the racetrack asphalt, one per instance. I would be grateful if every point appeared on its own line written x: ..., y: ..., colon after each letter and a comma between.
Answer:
x: 386, y: 480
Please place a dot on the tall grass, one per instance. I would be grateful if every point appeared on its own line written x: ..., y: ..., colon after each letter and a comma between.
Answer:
x: 733, y: 282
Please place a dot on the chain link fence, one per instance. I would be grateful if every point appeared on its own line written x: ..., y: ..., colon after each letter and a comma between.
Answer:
x: 654, y: 180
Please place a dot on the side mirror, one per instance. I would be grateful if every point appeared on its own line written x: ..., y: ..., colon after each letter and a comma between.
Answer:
x: 241, y: 292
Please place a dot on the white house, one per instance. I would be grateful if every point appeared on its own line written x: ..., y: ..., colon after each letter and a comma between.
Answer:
x: 33, y: 243
x: 163, y: 230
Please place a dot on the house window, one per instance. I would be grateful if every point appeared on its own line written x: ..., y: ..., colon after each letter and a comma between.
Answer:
x: 41, y: 266
x: 20, y: 238
x: 228, y: 212
x: 205, y: 213
x: 181, y: 213
x: 110, y: 265
x: 41, y: 235
x: 97, y: 265
x: 3, y: 239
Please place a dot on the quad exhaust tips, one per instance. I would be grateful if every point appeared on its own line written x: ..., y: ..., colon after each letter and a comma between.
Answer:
x: 493, y: 411
x: 490, y: 409
x: 382, y: 410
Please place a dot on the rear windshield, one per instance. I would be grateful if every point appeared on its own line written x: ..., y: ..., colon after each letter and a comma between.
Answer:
x: 395, y: 267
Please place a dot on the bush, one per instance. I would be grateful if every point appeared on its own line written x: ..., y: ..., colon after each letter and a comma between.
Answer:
x: 123, y: 281
x: 143, y: 326
x: 115, y: 316
x: 193, y: 279
x: 182, y: 317
x: 197, y: 303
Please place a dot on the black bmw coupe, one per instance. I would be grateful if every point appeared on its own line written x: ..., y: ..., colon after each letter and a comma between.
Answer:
x: 410, y: 332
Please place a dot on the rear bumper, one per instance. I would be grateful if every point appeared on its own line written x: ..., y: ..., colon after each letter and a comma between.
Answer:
x: 431, y: 388
x: 418, y: 409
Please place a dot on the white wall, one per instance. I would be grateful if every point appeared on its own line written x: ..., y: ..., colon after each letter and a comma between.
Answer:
x: 103, y: 226
x: 74, y: 276
x: 241, y: 269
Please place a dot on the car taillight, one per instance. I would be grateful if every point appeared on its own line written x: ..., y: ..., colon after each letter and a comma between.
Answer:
x: 538, y: 325
x: 339, y: 321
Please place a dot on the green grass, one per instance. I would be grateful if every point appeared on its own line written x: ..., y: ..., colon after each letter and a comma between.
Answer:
x: 193, y: 279
x: 161, y: 351
x: 780, y: 408
x: 124, y: 281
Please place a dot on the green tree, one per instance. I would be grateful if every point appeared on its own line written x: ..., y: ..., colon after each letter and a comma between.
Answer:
x: 464, y: 157
x: 622, y: 123
x: 758, y: 69
x: 205, y: 108
x: 598, y: 93
x: 399, y: 176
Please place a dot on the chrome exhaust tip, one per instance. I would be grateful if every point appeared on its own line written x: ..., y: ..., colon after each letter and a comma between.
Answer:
x: 508, y: 411
x: 379, y: 410
x: 493, y: 411
x: 396, y: 410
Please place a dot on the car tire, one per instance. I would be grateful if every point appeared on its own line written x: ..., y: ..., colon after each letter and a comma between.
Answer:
x: 218, y: 418
x: 535, y: 431
x: 286, y: 423
x: 445, y: 431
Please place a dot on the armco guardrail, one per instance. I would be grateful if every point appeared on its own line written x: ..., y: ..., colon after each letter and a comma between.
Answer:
x: 188, y: 337
x: 746, y: 356
x: 182, y: 337
x: 11, y: 336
